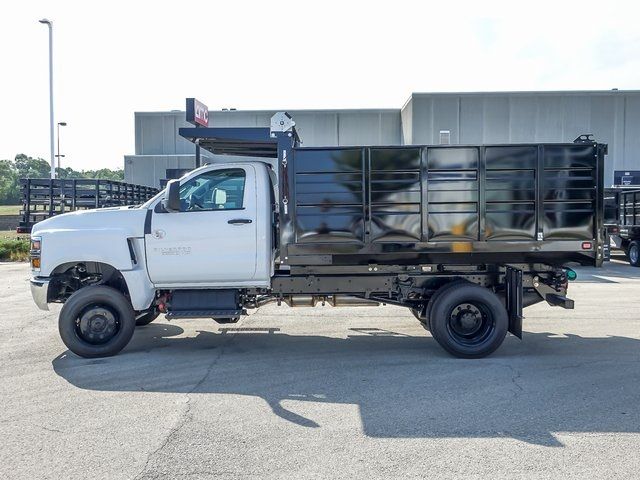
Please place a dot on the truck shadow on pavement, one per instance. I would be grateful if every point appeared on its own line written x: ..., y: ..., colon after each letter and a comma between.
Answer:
x: 405, y: 386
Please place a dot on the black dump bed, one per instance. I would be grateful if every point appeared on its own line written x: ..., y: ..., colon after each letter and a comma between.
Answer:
x: 458, y: 204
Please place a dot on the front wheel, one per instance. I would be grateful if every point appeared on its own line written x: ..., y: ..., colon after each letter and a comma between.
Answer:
x: 468, y: 321
x: 96, y: 321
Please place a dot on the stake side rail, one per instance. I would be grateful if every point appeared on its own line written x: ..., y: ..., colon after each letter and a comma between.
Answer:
x: 43, y: 197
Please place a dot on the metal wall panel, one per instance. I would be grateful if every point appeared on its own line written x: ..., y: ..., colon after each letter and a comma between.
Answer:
x: 471, y: 120
x: 152, y: 141
x: 549, y: 119
x: 422, y: 132
x: 576, y: 116
x: 369, y: 128
x: 317, y: 128
x: 150, y: 169
x: 157, y: 132
x: 522, y: 118
x: 445, y: 116
x: 406, y: 119
x: 631, y: 152
x: 496, y: 120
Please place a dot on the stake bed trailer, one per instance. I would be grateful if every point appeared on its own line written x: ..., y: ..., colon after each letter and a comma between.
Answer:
x: 626, y: 229
x: 463, y: 236
x: 45, y: 197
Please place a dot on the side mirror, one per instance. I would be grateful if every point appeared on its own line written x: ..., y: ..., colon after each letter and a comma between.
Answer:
x: 219, y: 197
x: 171, y: 200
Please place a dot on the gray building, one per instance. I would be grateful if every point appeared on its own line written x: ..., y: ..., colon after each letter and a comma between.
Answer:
x: 613, y: 116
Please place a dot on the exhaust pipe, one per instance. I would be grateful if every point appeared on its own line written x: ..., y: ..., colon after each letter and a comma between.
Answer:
x: 333, y: 300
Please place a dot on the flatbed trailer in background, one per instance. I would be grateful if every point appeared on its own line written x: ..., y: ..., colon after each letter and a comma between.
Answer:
x: 43, y: 197
x: 628, y: 213
x: 611, y: 220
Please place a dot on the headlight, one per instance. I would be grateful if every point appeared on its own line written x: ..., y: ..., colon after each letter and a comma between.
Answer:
x: 35, y: 252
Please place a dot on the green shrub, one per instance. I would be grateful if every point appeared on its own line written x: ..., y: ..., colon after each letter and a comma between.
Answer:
x: 15, y: 250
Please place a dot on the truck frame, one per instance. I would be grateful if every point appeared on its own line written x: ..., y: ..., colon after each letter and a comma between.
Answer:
x: 465, y: 236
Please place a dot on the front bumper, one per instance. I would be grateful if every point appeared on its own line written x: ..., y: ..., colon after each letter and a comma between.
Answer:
x: 39, y: 292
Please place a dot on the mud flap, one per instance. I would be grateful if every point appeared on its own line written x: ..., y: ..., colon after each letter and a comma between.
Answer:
x: 513, y: 300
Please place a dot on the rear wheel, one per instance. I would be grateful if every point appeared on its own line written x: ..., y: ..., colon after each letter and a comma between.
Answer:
x: 468, y: 321
x: 96, y: 321
x: 633, y: 252
x: 438, y: 293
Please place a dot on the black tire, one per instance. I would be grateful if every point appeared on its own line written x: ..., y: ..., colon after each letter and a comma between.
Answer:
x: 422, y: 314
x: 633, y: 253
x: 468, y: 321
x: 96, y: 321
x: 147, y: 318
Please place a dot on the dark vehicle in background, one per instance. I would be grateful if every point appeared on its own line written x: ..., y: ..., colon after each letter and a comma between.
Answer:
x: 628, y: 226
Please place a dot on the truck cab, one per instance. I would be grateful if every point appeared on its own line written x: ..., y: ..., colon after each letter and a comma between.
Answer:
x: 221, y: 233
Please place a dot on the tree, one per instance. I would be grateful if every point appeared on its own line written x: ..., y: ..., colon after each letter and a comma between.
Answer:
x: 102, y: 174
x: 9, y: 190
x: 68, y: 172
x: 24, y: 166
x: 105, y: 174
x: 29, y: 167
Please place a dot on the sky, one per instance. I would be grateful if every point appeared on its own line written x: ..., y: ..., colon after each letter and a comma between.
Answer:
x: 113, y: 58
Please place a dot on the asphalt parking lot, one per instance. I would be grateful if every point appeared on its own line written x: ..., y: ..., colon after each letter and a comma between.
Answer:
x: 327, y: 393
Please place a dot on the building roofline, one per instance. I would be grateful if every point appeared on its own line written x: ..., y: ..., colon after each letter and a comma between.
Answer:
x: 292, y: 111
x: 266, y: 112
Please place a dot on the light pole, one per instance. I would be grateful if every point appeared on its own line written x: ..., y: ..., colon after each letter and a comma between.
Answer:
x: 59, y: 155
x: 49, y: 23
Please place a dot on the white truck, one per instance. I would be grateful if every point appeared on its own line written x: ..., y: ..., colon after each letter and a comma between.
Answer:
x: 463, y: 236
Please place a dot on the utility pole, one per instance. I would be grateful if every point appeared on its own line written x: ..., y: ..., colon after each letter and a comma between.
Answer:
x: 49, y: 23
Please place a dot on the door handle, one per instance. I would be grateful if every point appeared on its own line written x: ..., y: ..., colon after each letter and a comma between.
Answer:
x: 240, y: 221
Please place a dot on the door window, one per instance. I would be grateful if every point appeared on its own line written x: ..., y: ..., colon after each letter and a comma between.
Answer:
x: 213, y: 190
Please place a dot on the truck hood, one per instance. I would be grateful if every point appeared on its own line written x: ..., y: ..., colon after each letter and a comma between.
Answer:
x: 128, y: 220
